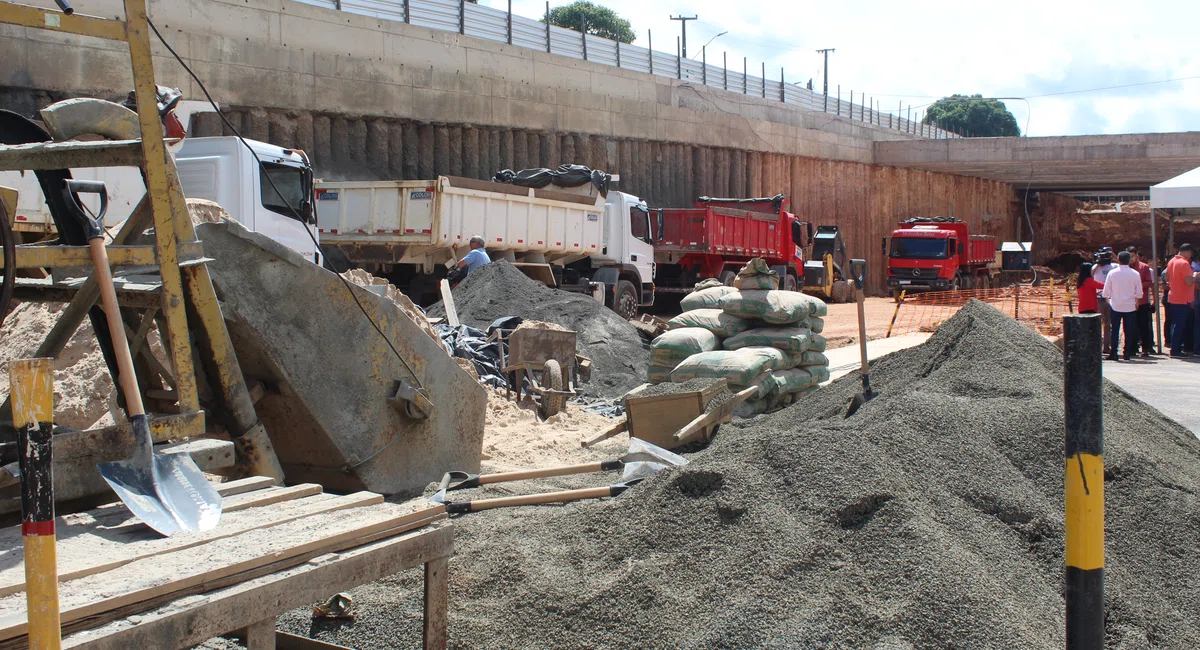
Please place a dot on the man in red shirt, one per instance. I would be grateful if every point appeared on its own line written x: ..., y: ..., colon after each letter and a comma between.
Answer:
x: 1145, y: 310
x: 1181, y: 282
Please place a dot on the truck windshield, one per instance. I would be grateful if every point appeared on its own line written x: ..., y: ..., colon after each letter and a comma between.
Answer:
x: 293, y: 182
x: 925, y: 249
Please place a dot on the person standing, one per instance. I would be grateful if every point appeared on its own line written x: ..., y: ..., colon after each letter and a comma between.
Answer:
x: 1145, y: 310
x: 1196, y: 302
x: 1100, y: 272
x: 1123, y: 289
x: 1088, y: 290
x: 1181, y: 283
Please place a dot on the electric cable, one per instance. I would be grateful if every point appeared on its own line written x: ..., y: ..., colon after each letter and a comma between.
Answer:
x: 294, y: 212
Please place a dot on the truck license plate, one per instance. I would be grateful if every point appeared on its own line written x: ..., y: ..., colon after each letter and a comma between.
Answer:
x: 904, y: 281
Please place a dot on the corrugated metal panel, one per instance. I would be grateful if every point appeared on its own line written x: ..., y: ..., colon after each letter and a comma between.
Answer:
x: 566, y: 42
x: 485, y: 22
x: 386, y: 9
x: 327, y: 4
x: 665, y: 64
x: 602, y: 50
x: 528, y: 33
x: 437, y: 14
x: 635, y: 58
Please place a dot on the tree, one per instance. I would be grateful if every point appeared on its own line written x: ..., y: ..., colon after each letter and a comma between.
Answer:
x: 974, y: 115
x: 598, y: 21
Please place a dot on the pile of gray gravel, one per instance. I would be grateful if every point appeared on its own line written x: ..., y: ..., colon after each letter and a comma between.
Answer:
x: 931, y: 519
x: 499, y: 289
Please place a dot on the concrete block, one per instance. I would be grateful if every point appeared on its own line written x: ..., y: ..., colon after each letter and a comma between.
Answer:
x: 529, y: 92
x: 520, y: 114
x: 560, y: 77
x: 582, y: 120
x: 498, y: 66
x: 607, y: 84
x: 450, y: 106
x: 337, y: 95
x: 326, y: 36
x: 441, y: 53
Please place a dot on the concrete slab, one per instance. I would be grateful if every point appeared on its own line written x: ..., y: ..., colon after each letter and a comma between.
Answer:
x: 845, y: 360
x: 1169, y: 385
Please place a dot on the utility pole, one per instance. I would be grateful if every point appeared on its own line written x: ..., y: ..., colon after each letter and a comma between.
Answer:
x: 825, y: 77
x: 683, y: 23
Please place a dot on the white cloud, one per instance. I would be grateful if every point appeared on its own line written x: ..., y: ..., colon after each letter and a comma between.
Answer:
x: 917, y: 52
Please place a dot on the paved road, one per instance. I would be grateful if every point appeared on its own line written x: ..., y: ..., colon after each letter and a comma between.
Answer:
x: 847, y: 359
x: 1169, y: 385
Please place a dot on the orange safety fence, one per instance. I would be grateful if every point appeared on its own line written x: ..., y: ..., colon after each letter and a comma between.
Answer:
x: 1038, y: 307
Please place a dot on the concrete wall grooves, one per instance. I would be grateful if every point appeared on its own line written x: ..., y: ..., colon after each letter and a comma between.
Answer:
x: 865, y: 200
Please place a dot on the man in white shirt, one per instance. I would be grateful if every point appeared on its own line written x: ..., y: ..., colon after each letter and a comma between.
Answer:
x: 1123, y: 289
x: 1100, y: 272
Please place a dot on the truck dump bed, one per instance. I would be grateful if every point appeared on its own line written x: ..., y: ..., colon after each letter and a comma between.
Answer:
x: 448, y: 211
x: 720, y: 231
x: 982, y: 250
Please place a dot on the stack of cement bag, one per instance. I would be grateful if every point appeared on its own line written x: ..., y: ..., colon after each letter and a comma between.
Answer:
x: 751, y: 335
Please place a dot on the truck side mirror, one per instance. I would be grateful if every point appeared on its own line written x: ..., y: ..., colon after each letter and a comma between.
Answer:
x: 661, y: 222
x: 810, y: 231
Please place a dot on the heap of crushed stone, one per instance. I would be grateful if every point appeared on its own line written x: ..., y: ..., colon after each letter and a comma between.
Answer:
x: 499, y: 289
x: 933, y: 518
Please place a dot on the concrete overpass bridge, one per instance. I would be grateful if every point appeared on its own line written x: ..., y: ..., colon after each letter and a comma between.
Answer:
x: 1067, y: 164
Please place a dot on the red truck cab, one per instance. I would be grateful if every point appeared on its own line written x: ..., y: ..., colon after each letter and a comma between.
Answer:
x: 718, y: 236
x: 938, y: 254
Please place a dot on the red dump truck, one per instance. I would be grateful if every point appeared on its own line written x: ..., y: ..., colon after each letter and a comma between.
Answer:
x: 718, y: 236
x: 938, y: 254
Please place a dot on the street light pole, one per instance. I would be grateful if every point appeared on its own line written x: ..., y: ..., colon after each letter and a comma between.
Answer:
x: 825, y: 77
x: 683, y: 23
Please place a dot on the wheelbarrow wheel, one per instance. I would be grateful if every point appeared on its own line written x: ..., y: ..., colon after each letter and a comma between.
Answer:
x: 552, y: 379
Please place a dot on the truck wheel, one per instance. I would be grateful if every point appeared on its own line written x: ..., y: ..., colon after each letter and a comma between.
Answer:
x: 789, y: 283
x: 728, y: 277
x: 841, y: 292
x: 956, y: 283
x: 625, y: 300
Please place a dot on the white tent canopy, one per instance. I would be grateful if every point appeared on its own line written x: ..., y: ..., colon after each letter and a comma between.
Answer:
x: 1183, y: 191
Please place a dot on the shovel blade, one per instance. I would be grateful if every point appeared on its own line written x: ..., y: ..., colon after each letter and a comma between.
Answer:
x: 170, y: 494
x: 856, y: 403
x: 642, y: 451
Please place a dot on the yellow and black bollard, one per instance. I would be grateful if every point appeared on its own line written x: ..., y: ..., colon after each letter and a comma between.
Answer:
x: 32, y: 389
x: 1084, y: 407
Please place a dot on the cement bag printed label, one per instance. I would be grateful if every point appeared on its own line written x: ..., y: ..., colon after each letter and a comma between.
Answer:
x: 705, y: 298
x: 816, y: 343
x: 790, y: 381
x: 707, y: 284
x: 738, y: 367
x: 787, y: 338
x: 757, y: 275
x: 762, y: 383
x: 713, y: 320
x: 676, y: 345
x: 808, y: 359
x: 773, y: 307
x: 658, y: 374
x: 814, y: 325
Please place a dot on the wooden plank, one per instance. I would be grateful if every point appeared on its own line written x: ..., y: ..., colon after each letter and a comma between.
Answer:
x: 267, y: 497
x: 188, y: 569
x: 448, y: 303
x: 285, y: 641
x: 193, y: 621
x: 84, y: 549
x: 437, y: 599
x: 242, y: 485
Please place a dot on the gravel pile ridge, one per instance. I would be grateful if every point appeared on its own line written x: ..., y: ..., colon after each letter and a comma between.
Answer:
x: 931, y: 519
x: 496, y: 290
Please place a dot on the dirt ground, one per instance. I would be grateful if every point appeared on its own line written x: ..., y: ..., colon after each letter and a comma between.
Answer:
x: 841, y: 325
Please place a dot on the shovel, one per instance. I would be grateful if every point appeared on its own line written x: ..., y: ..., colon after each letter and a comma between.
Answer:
x: 168, y: 492
x: 858, y: 268
x: 460, y: 507
x: 643, y: 459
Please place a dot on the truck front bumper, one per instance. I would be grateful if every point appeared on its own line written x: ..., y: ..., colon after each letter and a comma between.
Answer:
x: 930, y: 284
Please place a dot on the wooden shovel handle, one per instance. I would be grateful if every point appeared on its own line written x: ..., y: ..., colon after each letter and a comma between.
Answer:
x: 611, y: 432
x: 116, y: 328
x: 534, y: 499
x: 562, y: 470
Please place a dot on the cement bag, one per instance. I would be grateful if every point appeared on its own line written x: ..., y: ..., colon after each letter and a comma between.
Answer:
x: 756, y: 275
x: 713, y: 320
x: 750, y: 408
x: 813, y: 324
x: 791, y: 381
x: 738, y: 367
x: 705, y: 298
x: 673, y: 346
x: 707, y: 284
x: 816, y: 342
x: 808, y: 359
x: 773, y: 307
x: 658, y: 374
x: 788, y: 338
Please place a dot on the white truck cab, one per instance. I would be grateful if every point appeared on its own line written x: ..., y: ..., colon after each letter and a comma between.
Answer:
x: 219, y: 169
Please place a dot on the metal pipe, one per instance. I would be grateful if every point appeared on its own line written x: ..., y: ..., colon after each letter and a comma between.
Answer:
x: 462, y: 16
x: 408, y: 12
x: 764, y: 79
x: 704, y: 64
x: 508, y: 24
x: 548, y: 28
x: 1083, y: 402
x: 725, y: 68
x: 649, y: 47
x: 678, y: 60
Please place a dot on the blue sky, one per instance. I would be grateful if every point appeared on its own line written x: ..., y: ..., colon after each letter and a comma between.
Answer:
x: 917, y: 52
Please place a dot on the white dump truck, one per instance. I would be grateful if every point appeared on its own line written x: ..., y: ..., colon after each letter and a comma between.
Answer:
x: 218, y: 169
x: 575, y: 239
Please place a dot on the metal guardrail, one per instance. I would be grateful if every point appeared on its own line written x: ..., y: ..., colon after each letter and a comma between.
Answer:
x: 501, y: 26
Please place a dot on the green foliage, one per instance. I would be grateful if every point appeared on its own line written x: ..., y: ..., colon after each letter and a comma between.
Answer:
x: 974, y: 115
x: 598, y: 21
